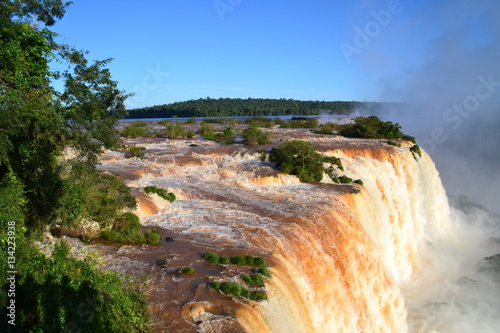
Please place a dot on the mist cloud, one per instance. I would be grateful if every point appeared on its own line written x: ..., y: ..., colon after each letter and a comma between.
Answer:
x: 444, y: 57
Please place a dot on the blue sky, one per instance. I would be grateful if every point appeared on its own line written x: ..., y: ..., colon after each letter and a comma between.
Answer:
x: 167, y: 51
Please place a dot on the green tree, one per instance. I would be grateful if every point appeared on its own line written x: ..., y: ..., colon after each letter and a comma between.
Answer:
x: 254, y: 136
x: 135, y: 129
x: 371, y: 127
x: 227, y: 135
x: 174, y: 131
x: 37, y: 123
x: 298, y: 158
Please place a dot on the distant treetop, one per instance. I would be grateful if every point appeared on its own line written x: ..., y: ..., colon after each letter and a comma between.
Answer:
x: 231, y: 107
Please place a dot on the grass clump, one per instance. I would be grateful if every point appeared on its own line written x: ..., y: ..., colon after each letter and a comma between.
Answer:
x: 223, y: 121
x: 409, y: 138
x: 373, y: 127
x: 231, y: 288
x: 253, y: 279
x: 174, y: 131
x: 392, y: 143
x: 416, y: 151
x: 135, y: 130
x: 235, y: 289
x: 259, y: 261
x: 261, y: 122
x: 215, y: 285
x: 247, y: 279
x: 328, y: 128
x: 253, y: 136
x: 358, y: 181
x: 345, y: 180
x: 211, y: 257
x: 128, y: 229
x: 227, y: 136
x: 257, y: 295
x: 250, y: 259
x: 206, y: 131
x: 264, y: 271
x: 135, y: 152
x: 169, y: 196
x: 187, y: 270
x: 152, y: 236
x: 334, y: 161
x: 224, y: 260
x: 238, y: 260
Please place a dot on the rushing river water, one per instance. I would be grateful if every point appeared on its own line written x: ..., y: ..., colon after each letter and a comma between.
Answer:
x: 344, y: 258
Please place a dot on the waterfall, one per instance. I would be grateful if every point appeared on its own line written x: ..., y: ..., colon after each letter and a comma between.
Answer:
x: 348, y: 261
x: 344, y: 258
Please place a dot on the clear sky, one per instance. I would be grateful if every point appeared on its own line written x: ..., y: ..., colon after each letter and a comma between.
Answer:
x: 176, y: 50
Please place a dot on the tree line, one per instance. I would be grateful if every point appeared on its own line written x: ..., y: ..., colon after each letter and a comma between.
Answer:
x: 234, y: 107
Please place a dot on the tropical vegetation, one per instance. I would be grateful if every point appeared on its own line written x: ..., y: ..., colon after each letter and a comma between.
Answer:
x: 298, y: 158
x: 50, y: 143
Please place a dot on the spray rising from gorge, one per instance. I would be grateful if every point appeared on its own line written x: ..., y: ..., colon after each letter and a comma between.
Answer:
x: 449, y: 81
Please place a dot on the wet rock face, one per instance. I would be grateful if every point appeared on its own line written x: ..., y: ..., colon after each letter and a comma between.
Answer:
x: 490, y: 266
x: 163, y: 263
x: 86, y: 232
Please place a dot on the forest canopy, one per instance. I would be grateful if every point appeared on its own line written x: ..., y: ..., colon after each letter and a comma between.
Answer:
x: 233, y: 107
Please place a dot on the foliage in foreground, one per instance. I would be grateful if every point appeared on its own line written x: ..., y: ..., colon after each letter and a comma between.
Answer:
x: 90, y: 194
x: 63, y: 294
x: 37, y: 122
